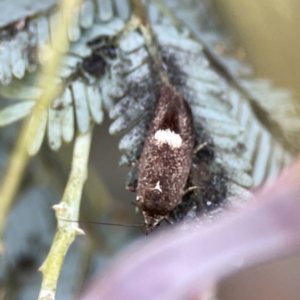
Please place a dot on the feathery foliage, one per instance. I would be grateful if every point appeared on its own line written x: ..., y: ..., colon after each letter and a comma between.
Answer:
x: 242, y: 136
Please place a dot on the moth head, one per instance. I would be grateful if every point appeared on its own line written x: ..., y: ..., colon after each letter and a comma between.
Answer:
x: 151, y: 222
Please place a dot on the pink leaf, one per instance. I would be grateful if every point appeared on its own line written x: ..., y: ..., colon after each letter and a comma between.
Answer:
x: 176, y: 264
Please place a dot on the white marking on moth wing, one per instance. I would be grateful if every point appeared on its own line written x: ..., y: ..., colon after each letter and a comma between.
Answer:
x: 157, y: 187
x: 169, y: 137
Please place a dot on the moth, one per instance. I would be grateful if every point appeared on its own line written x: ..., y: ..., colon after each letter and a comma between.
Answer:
x: 166, y: 158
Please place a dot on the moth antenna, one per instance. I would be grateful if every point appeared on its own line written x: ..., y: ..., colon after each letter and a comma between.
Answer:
x: 104, y: 223
x: 142, y: 230
x: 134, y: 204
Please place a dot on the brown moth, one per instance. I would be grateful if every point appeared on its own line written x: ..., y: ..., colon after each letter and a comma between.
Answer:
x: 166, y: 158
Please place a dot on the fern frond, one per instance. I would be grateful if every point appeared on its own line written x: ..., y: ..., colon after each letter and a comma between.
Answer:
x: 26, y: 33
x: 220, y: 107
x: 82, y: 93
x: 223, y: 115
x: 270, y: 137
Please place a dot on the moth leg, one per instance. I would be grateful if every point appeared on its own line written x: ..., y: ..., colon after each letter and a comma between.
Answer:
x: 168, y: 220
x: 137, y: 208
x: 82, y: 73
x: 200, y: 147
x: 132, y: 178
x: 190, y: 189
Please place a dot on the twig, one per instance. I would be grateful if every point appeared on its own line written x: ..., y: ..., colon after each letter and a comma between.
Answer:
x: 19, y: 158
x: 67, y: 209
x: 48, y: 77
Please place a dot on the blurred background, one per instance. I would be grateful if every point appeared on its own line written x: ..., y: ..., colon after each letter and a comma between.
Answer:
x: 269, y: 33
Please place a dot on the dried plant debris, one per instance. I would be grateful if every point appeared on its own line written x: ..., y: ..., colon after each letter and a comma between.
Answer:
x: 111, y: 66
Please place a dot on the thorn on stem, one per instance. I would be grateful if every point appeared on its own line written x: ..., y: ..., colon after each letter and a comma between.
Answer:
x: 58, y: 207
x: 79, y: 231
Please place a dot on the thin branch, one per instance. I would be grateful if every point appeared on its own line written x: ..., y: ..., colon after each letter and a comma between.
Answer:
x: 67, y: 209
x: 19, y: 158
x: 48, y: 77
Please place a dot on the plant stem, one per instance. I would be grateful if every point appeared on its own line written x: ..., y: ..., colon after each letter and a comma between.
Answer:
x: 67, y: 209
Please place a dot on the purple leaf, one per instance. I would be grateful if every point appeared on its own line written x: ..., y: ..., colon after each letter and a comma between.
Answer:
x: 178, y: 264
